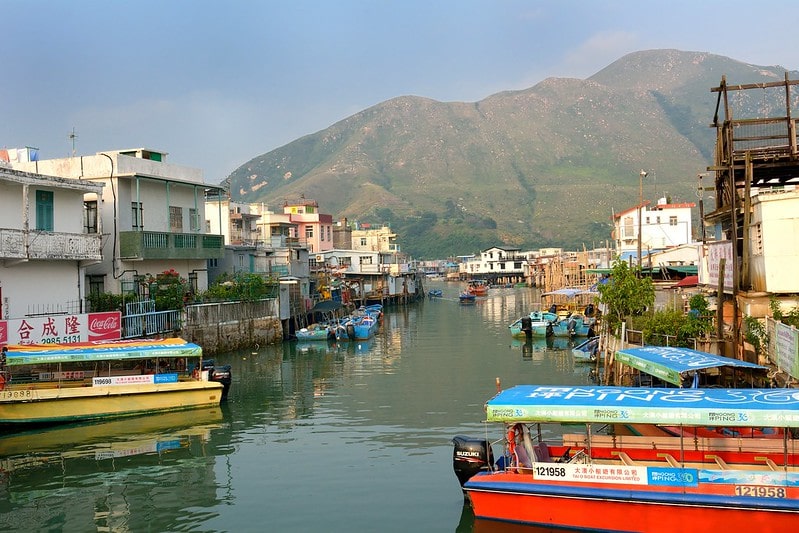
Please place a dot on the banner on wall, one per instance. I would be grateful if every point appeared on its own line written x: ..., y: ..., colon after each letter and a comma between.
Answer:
x: 60, y: 329
x: 787, y: 348
x: 715, y: 252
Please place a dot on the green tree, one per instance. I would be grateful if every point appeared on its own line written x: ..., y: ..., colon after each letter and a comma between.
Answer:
x: 625, y: 294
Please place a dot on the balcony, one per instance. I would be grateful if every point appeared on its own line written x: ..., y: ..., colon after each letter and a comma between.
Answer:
x: 144, y: 245
x: 48, y: 245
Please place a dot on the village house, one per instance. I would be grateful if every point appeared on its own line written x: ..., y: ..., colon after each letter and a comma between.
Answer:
x: 49, y: 237
x: 662, y: 227
x: 153, y: 213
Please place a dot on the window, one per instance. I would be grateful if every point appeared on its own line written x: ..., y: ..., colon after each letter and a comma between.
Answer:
x: 90, y: 217
x: 194, y: 221
x: 137, y: 220
x: 309, y: 232
x: 44, y: 210
x: 329, y: 238
x: 175, y: 219
x: 363, y: 241
x: 672, y: 221
x: 657, y: 220
x: 96, y: 284
x: 366, y: 260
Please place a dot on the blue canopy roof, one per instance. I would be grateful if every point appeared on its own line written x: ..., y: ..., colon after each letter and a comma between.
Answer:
x: 670, y: 362
x: 101, y: 351
x: 638, y: 405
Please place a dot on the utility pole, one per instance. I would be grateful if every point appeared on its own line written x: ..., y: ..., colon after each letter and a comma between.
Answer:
x: 641, y: 177
x: 72, y: 137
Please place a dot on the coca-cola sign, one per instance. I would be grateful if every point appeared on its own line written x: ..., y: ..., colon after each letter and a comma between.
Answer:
x: 105, y: 326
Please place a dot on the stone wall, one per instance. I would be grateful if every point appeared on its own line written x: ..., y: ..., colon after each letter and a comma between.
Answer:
x: 227, y: 326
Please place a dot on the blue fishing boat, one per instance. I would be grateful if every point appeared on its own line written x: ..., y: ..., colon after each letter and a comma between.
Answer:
x: 315, y: 332
x: 587, y: 351
x: 467, y: 298
x: 524, y: 326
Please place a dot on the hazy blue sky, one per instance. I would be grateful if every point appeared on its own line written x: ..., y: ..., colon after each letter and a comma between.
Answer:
x: 218, y: 83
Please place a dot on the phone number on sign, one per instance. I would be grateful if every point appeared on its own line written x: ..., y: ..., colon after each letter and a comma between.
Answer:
x: 61, y: 340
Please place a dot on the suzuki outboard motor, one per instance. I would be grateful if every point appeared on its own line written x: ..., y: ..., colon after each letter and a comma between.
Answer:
x: 470, y: 456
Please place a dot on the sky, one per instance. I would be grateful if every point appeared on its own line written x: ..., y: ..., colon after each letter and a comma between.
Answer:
x: 216, y: 84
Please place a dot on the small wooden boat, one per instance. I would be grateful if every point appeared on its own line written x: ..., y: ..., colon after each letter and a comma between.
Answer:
x: 435, y: 293
x: 315, y: 332
x: 593, y: 480
x: 587, y: 351
x: 527, y: 325
x: 54, y: 383
x: 467, y: 298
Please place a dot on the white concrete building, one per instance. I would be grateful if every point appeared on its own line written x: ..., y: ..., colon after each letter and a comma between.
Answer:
x: 153, y: 216
x: 48, y: 240
x: 662, y: 226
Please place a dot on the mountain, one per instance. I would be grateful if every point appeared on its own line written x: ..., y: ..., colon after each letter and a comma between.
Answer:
x: 544, y: 166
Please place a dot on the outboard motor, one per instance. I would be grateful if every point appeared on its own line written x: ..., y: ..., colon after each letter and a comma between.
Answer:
x: 221, y: 374
x: 351, y: 331
x: 527, y: 326
x: 470, y: 456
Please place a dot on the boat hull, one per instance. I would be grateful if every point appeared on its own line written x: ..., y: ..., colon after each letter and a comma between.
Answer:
x: 50, y: 406
x: 622, y: 507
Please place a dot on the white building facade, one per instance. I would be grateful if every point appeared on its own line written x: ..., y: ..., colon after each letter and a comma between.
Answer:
x: 48, y: 240
x: 153, y: 216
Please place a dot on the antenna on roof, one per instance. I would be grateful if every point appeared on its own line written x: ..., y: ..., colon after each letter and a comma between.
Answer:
x: 72, y: 137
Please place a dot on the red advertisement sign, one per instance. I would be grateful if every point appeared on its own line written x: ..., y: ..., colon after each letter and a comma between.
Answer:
x: 61, y: 329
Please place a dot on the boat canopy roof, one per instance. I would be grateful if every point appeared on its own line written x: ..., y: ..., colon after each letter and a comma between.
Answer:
x: 31, y: 354
x: 669, y: 363
x: 569, y: 292
x: 638, y: 405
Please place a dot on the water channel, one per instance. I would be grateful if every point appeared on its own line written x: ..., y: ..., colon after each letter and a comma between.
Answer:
x: 314, y: 437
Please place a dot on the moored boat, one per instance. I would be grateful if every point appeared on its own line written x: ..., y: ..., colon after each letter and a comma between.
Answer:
x: 526, y: 325
x: 315, y: 332
x: 587, y: 351
x: 57, y: 383
x: 596, y: 481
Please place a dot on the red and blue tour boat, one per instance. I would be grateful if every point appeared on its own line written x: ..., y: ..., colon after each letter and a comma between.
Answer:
x: 562, y: 465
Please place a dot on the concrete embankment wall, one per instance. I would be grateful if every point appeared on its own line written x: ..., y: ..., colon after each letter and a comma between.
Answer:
x: 227, y: 326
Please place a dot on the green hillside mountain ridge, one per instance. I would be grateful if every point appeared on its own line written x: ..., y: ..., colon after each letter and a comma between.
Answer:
x: 543, y: 166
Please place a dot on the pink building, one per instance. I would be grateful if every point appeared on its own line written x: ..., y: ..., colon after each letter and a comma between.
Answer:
x: 312, y: 227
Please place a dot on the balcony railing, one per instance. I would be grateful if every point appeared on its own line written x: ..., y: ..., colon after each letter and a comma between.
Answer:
x: 34, y: 244
x: 163, y: 245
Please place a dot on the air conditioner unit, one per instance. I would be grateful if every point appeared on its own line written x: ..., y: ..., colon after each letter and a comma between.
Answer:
x: 320, y: 258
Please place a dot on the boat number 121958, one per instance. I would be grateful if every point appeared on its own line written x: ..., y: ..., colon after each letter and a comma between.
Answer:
x: 756, y: 491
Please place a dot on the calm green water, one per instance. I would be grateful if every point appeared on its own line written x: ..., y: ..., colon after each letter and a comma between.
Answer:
x: 313, y: 437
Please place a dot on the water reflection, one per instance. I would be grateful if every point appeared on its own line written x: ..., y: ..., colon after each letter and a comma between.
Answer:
x: 109, y: 474
x: 360, y: 433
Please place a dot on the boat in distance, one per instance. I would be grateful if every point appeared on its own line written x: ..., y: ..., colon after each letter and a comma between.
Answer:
x: 57, y: 383
x: 598, y: 481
